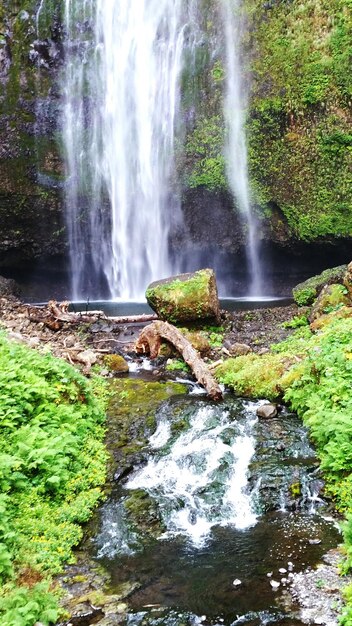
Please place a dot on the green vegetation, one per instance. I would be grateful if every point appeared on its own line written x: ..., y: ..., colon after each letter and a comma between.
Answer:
x: 313, y: 374
x: 177, y: 365
x: 205, y: 148
x: 306, y: 292
x: 299, y: 120
x: 52, y: 466
x: 296, y: 322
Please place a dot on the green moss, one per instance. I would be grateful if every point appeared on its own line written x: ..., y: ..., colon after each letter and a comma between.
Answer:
x: 132, y: 409
x: 143, y: 512
x: 204, y: 154
x: 299, y: 121
x: 306, y: 292
x: 185, y: 298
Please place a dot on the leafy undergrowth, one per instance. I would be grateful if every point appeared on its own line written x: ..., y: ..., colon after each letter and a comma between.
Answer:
x: 52, y: 464
x: 267, y: 375
x: 313, y: 374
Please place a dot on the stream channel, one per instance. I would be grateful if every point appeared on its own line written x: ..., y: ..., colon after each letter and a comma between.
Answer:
x: 230, y: 500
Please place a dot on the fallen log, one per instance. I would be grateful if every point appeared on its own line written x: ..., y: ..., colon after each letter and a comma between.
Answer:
x: 149, y: 342
x: 54, y: 315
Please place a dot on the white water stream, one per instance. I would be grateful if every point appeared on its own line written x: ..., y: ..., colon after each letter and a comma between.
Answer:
x: 236, y: 149
x: 122, y: 92
x: 200, y: 480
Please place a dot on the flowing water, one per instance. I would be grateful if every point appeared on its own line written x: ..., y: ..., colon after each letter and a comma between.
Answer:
x: 238, y: 500
x: 236, y: 150
x: 121, y: 84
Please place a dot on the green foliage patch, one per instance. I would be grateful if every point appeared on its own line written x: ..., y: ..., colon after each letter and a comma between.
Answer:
x: 299, y: 117
x: 306, y: 292
x: 52, y: 465
x: 313, y: 374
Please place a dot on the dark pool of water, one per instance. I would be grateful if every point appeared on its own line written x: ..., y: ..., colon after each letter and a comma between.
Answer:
x: 116, y: 308
x: 175, y: 575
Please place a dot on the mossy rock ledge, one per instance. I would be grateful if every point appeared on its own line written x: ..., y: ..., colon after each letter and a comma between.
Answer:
x: 305, y: 293
x: 186, y: 297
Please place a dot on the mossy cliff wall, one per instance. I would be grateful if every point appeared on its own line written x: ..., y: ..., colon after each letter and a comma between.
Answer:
x: 297, y: 57
x: 31, y: 171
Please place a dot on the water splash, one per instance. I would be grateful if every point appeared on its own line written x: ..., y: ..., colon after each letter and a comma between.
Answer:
x: 201, y: 480
x: 121, y: 84
x: 236, y: 150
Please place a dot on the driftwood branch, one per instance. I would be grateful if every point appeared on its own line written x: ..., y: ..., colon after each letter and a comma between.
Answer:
x: 54, y: 315
x: 149, y: 342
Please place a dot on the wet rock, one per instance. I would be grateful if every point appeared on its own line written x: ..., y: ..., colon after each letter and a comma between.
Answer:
x: 8, y: 287
x: 267, y: 411
x: 116, y: 363
x: 122, y: 472
x: 84, y: 614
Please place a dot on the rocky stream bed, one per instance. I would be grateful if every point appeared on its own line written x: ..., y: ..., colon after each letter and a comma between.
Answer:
x: 309, y: 591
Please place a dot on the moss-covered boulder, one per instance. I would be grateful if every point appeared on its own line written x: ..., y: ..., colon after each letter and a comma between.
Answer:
x: 305, y: 293
x: 330, y: 298
x: 186, y: 297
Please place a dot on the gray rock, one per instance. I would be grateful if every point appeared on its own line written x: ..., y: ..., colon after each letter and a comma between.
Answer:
x: 267, y: 411
x: 237, y: 349
x: 8, y: 287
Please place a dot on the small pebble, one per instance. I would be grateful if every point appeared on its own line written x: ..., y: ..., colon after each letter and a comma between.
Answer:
x: 290, y: 566
x: 290, y: 575
x: 282, y: 570
x: 274, y: 584
x: 237, y: 582
x: 314, y: 542
x: 269, y: 574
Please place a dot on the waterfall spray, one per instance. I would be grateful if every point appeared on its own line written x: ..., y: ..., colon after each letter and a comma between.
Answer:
x: 236, y: 151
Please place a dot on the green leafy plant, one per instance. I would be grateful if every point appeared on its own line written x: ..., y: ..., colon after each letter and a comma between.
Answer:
x: 52, y: 464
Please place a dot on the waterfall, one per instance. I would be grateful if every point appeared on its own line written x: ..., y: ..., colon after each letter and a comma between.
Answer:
x: 121, y: 94
x: 236, y: 151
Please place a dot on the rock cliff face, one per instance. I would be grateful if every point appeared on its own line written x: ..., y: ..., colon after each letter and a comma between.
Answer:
x: 31, y: 169
x: 296, y: 58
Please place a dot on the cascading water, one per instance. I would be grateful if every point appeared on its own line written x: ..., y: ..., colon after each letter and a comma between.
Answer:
x: 211, y: 453
x: 236, y: 150
x: 211, y: 482
x: 121, y: 84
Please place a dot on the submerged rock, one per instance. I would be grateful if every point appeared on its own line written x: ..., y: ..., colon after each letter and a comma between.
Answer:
x: 186, y: 297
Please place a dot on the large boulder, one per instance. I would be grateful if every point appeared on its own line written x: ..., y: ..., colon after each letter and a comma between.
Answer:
x: 331, y: 297
x: 306, y: 292
x: 186, y: 297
